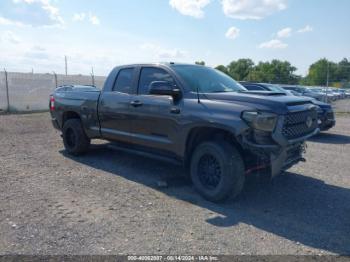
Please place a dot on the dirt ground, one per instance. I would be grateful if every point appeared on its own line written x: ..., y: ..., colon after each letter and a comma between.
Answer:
x: 109, y: 202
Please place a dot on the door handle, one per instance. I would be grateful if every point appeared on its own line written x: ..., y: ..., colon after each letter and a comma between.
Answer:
x: 136, y: 103
x: 175, y: 110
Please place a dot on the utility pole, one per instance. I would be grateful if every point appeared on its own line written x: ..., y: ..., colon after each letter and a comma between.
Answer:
x: 327, y: 84
x: 92, y: 76
x: 55, y: 77
x: 327, y: 74
x: 7, y: 91
x: 66, y: 64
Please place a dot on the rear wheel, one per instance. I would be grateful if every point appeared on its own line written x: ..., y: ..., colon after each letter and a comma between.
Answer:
x: 217, y: 171
x: 74, y: 138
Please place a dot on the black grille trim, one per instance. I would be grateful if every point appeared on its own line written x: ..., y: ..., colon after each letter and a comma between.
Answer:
x: 295, y: 126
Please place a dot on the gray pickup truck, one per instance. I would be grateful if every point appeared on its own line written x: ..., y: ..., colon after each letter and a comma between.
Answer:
x: 192, y: 115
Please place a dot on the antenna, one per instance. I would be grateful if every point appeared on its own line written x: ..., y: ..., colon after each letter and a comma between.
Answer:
x: 197, y: 89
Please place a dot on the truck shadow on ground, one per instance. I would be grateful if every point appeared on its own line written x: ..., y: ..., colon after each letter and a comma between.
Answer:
x: 329, y: 138
x: 298, y: 208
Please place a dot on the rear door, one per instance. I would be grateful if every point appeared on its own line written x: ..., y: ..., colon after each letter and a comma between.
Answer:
x: 114, y: 107
x: 155, y: 117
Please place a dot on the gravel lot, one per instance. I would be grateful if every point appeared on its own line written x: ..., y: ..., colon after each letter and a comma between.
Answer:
x: 108, y: 202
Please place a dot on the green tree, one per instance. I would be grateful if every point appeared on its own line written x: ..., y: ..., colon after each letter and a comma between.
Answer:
x: 276, y: 72
x: 222, y: 68
x: 343, y: 71
x: 318, y: 72
x: 239, y: 70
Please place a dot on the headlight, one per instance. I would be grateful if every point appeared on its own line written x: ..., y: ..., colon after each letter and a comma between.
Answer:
x: 260, y: 120
x: 319, y: 110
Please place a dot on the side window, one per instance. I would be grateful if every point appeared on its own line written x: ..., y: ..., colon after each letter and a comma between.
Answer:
x: 123, y: 83
x: 150, y: 74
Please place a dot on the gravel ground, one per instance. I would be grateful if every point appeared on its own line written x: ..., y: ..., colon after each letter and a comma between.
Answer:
x: 108, y: 202
x: 342, y: 106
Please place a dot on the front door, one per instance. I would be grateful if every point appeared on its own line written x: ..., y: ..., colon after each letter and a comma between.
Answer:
x: 155, y: 118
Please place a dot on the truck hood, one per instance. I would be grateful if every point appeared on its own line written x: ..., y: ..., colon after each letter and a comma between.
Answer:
x: 263, y: 100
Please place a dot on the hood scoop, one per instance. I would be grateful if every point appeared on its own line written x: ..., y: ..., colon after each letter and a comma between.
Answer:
x: 264, y: 93
x: 298, y: 103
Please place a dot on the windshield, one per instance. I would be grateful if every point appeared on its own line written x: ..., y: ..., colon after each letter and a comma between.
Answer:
x: 207, y: 80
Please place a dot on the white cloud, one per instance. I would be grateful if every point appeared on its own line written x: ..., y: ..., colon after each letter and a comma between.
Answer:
x: 94, y: 19
x: 192, y: 8
x: 232, y: 33
x: 306, y: 29
x: 284, y: 33
x: 163, y: 53
x: 37, y: 55
x: 9, y: 37
x: 252, y: 9
x: 25, y: 1
x: 38, y: 48
x: 5, y: 21
x: 274, y: 44
x: 171, y: 54
x: 32, y: 13
x: 79, y: 17
x: 52, y: 11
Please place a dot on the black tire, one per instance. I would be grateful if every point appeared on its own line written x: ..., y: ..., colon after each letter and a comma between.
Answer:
x: 217, y: 171
x: 74, y: 138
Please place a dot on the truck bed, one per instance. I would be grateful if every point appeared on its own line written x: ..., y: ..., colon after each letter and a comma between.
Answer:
x: 82, y: 100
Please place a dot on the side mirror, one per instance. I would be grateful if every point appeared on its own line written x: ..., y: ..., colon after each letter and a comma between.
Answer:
x: 164, y: 88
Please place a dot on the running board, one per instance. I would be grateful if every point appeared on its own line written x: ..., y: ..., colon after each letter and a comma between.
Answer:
x: 145, y: 154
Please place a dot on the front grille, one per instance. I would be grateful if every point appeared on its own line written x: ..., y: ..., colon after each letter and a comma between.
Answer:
x: 295, y: 124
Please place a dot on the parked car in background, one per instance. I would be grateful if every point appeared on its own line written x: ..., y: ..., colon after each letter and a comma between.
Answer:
x: 343, y: 92
x: 347, y: 93
x: 326, y: 117
x: 320, y: 90
x: 305, y: 91
x: 339, y: 92
x: 331, y: 97
x: 335, y: 94
x: 264, y: 87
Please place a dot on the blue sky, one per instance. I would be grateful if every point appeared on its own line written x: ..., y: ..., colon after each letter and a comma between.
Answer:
x: 39, y: 33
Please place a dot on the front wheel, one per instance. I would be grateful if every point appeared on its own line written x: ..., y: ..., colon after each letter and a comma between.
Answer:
x: 74, y: 138
x: 217, y: 171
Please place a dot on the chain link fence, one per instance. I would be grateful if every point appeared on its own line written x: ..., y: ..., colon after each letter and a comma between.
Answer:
x: 28, y: 92
x: 20, y: 92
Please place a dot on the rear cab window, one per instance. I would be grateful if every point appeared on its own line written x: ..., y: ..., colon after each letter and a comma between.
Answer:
x: 124, y: 81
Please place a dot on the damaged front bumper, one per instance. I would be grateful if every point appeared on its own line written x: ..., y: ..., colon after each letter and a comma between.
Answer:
x: 326, y: 120
x: 281, y: 155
